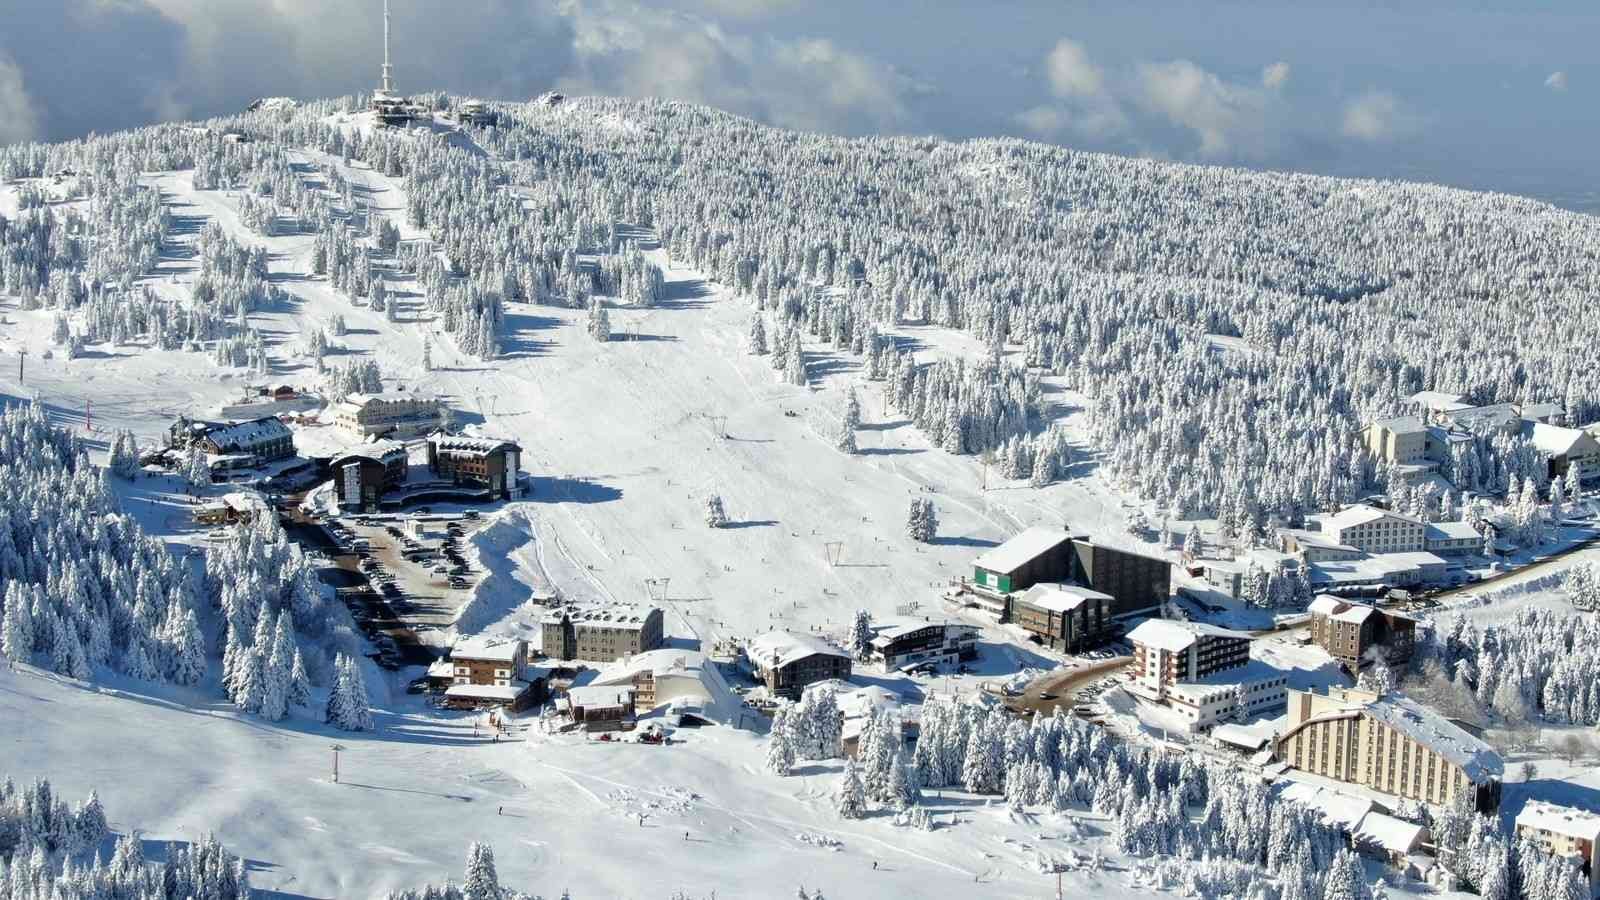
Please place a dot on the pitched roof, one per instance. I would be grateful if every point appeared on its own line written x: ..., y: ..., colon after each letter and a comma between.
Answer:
x: 1392, y: 834
x: 1478, y: 760
x: 782, y: 648
x: 894, y: 629
x: 1060, y: 598
x: 1451, y: 531
x: 249, y: 434
x: 506, y: 692
x: 1401, y: 424
x: 1563, y: 820
x: 489, y: 648
x: 600, y: 695
x: 1022, y: 549
x: 1361, y: 514
x: 1173, y: 635
x: 1553, y: 439
x: 471, y: 444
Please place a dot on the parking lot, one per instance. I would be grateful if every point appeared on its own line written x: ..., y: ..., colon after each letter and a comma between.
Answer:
x: 403, y: 576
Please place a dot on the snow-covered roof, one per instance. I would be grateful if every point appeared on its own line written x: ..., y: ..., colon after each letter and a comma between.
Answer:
x: 685, y: 679
x: 1478, y: 760
x: 1361, y: 514
x: 1400, y: 424
x: 1253, y: 672
x: 1495, y: 414
x: 895, y: 629
x: 1060, y: 598
x: 1371, y: 570
x: 505, y: 692
x: 376, y: 450
x: 1412, y: 559
x: 1173, y: 635
x: 1553, y: 439
x: 781, y: 648
x: 1022, y: 549
x: 1325, y: 604
x: 1451, y: 531
x: 1562, y: 820
x: 1240, y: 736
x: 360, y: 400
x: 1317, y: 539
x: 600, y: 695
x: 441, y: 668
x: 487, y: 648
x: 248, y: 434
x: 1437, y: 400
x: 245, y: 501
x: 1393, y: 835
x: 1340, y: 809
x: 621, y: 615
x: 462, y: 444
x: 1542, y: 410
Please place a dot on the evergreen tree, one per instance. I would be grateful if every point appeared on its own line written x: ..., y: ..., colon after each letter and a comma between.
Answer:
x: 599, y: 321
x: 716, y: 516
x: 482, y: 882
x: 758, y: 335
x: 861, y: 634
x: 780, y: 743
x: 849, y: 798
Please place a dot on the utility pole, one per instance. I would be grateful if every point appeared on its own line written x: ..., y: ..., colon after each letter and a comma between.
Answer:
x: 336, y: 748
x: 22, y: 359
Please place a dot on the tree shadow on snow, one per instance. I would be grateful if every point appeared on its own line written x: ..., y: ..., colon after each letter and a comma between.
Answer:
x: 752, y: 523
x: 963, y: 542
x: 572, y: 490
x: 890, y: 451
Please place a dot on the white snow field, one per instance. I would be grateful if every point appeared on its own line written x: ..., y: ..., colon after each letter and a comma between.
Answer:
x: 561, y: 813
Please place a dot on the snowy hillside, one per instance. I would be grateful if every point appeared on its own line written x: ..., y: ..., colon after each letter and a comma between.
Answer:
x: 662, y: 305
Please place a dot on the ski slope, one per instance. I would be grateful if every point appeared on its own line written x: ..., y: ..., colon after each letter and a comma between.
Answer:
x: 561, y: 813
x: 620, y: 436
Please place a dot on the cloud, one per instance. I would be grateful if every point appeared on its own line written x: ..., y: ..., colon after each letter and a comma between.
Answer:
x: 17, y: 120
x: 804, y: 82
x: 1229, y: 119
x: 1557, y: 81
x: 1275, y: 75
x: 1375, y: 116
x: 1070, y: 71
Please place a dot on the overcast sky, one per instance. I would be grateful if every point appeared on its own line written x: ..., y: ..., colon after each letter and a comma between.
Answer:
x: 1493, y: 95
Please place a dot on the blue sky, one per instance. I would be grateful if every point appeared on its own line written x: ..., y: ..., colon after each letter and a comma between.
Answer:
x: 1484, y: 95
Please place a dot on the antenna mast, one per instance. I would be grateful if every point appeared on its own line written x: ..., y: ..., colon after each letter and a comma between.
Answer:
x: 388, y: 70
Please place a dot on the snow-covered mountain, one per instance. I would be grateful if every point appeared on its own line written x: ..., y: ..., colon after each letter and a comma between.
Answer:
x: 667, y: 305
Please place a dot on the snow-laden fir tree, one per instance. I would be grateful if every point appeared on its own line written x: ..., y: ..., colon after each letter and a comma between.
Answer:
x: 482, y: 882
x: 861, y: 634
x: 299, y: 681
x: 849, y: 797
x: 757, y: 343
x: 852, y: 410
x: 780, y: 743
x: 922, y: 522
x: 427, y: 353
x: 847, y: 441
x: 347, y: 701
x: 716, y: 516
x: 599, y: 321
x: 794, y: 367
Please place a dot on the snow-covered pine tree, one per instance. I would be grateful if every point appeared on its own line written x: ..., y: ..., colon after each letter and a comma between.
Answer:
x: 922, y: 522
x: 299, y: 682
x: 849, y: 797
x: 780, y: 743
x: 427, y: 353
x: 847, y: 441
x: 599, y: 321
x: 482, y: 882
x: 716, y: 516
x: 757, y: 344
x: 861, y: 634
x: 852, y: 410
